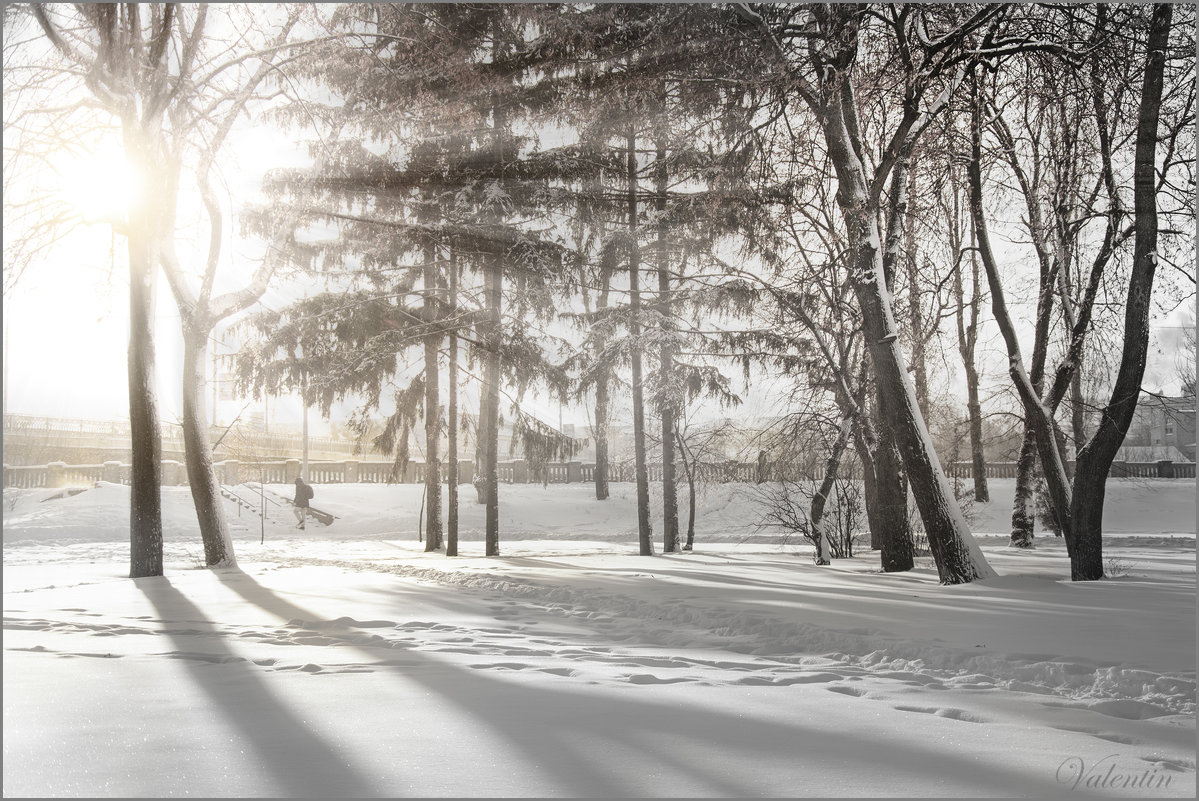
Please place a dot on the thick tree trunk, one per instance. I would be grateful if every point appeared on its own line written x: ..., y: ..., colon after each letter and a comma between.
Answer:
x: 897, y: 550
x: 1095, y: 459
x: 670, y: 504
x: 451, y: 522
x: 201, y: 475
x: 1023, y: 502
x: 956, y: 553
x: 145, y: 513
x: 432, y: 343
x: 493, y: 297
x: 145, y: 491
x: 644, y: 531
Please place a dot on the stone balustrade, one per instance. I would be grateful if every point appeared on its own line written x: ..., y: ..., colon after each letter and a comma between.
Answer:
x: 515, y: 471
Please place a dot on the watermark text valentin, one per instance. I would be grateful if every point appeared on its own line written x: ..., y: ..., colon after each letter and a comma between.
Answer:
x: 1106, y: 774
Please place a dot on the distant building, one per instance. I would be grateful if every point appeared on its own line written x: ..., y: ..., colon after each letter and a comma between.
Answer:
x: 1164, y: 423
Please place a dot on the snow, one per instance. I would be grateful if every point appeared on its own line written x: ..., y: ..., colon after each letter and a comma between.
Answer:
x: 344, y: 661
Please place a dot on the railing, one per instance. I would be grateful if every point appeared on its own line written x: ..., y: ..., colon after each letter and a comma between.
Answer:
x: 516, y: 471
x: 1119, y: 469
x: 25, y: 477
x: 47, y: 438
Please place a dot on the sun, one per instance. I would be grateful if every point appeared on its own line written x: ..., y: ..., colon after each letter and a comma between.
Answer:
x: 100, y: 185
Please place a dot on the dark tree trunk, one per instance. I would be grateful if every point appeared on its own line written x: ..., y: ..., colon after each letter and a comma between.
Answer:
x: 644, y: 531
x: 958, y: 558
x: 432, y: 343
x: 1023, y: 503
x: 978, y: 459
x: 1095, y: 459
x: 451, y: 522
x: 491, y: 412
x: 601, y: 402
x: 145, y: 512
x: 493, y: 298
x: 670, y: 504
x: 201, y: 475
x: 897, y: 548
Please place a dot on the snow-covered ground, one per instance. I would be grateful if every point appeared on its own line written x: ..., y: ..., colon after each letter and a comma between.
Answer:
x: 344, y: 661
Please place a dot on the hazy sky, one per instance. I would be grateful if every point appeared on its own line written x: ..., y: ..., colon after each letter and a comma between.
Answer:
x: 66, y: 323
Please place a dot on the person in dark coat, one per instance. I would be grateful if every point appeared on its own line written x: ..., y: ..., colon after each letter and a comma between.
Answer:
x: 303, y: 495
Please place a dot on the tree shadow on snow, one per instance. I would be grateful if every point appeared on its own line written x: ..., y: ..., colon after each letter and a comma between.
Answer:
x: 301, y: 762
x: 591, y: 741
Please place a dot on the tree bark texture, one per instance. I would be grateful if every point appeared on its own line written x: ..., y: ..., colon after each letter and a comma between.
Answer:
x: 897, y: 550
x: 1023, y: 503
x: 145, y: 512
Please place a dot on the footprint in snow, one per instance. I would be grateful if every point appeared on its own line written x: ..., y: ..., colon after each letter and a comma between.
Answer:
x: 944, y: 712
x: 647, y: 678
